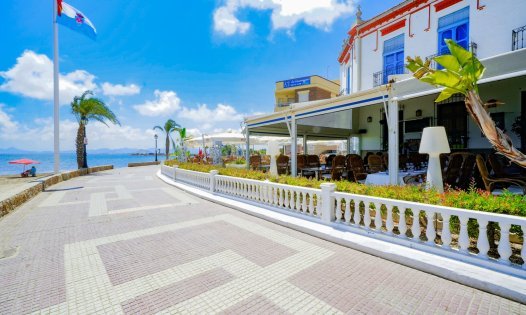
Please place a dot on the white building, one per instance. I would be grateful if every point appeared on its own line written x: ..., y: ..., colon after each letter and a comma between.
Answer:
x: 374, y: 79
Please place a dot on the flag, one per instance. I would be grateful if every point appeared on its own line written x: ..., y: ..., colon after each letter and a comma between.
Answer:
x: 74, y: 19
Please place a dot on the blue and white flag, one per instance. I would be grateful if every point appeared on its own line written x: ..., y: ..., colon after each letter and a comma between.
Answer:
x: 75, y: 20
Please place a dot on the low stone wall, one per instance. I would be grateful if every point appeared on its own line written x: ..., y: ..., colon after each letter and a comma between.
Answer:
x: 143, y: 164
x: 17, y: 200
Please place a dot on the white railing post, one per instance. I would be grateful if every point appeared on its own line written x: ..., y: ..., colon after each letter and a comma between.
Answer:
x: 175, y: 170
x: 213, y: 174
x: 327, y: 211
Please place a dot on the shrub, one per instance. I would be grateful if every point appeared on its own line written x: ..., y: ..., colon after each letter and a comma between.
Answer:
x: 472, y: 199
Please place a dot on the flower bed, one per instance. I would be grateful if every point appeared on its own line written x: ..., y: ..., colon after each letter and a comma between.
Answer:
x: 474, y: 199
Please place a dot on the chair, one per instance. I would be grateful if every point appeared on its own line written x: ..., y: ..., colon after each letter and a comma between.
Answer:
x: 301, y: 163
x: 375, y: 163
x: 466, y: 171
x: 358, y: 169
x: 494, y: 185
x: 453, y: 170
x: 313, y: 160
x: 444, y: 158
x: 498, y: 164
x: 328, y: 160
x: 282, y: 163
x: 255, y: 162
x: 402, y: 162
x: 338, y: 168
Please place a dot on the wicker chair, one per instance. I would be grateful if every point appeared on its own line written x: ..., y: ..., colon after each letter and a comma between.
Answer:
x: 358, y: 169
x: 453, y: 170
x: 255, y: 162
x: 282, y: 164
x: 498, y: 164
x: 466, y: 171
x: 375, y: 163
x: 328, y: 160
x: 313, y: 160
x: 494, y: 185
x: 338, y: 168
x: 302, y: 162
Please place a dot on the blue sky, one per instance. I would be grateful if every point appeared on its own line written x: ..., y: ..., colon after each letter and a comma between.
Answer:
x: 205, y: 64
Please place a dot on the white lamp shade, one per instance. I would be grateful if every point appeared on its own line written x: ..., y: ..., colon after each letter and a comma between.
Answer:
x: 434, y: 141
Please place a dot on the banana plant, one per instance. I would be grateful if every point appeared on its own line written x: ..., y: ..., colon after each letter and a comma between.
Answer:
x: 461, y: 73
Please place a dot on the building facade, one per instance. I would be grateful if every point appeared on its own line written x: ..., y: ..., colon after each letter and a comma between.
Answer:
x: 304, y: 89
x: 375, y: 51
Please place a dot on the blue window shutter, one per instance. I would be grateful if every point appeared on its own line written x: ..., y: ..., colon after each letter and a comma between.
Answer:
x: 453, y: 26
x: 393, y: 57
x: 458, y: 17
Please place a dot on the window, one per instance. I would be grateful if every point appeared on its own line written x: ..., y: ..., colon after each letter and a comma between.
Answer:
x: 453, y: 26
x: 393, y: 57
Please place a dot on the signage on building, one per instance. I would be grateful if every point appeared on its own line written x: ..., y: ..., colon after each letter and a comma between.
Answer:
x: 296, y: 82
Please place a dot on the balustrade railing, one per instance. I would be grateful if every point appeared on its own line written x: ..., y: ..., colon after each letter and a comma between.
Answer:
x: 473, y: 47
x: 487, y: 239
x: 517, y: 38
x: 381, y: 77
x: 302, y: 200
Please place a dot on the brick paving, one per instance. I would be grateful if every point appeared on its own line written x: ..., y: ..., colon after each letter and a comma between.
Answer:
x: 124, y: 242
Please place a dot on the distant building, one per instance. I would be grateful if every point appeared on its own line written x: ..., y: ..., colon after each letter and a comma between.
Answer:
x: 304, y: 89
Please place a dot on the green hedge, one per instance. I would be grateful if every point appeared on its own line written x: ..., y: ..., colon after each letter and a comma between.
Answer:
x: 473, y: 199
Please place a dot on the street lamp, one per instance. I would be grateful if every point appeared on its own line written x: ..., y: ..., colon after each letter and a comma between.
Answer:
x: 156, y: 136
x: 84, y: 122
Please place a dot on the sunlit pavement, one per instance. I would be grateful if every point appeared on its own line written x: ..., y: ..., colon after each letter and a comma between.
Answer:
x: 122, y: 241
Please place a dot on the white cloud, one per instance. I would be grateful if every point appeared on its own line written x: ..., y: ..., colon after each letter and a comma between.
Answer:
x: 221, y: 113
x: 38, y: 135
x: 119, y: 89
x: 165, y: 103
x: 32, y: 76
x: 6, y: 122
x: 285, y: 13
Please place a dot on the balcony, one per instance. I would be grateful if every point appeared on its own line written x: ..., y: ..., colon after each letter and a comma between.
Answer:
x: 381, y: 77
x: 517, y: 38
x: 472, y: 48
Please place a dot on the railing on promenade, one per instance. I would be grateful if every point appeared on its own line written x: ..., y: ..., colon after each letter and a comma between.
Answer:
x: 486, y: 239
x: 302, y: 200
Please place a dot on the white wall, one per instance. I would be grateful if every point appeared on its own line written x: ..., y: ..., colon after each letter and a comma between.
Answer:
x: 490, y: 29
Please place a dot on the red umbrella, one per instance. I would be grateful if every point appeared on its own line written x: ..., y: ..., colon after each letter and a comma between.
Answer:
x: 24, y: 162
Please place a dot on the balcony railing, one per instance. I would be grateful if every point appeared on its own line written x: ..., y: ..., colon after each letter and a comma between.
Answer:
x: 381, y: 77
x: 472, y: 47
x: 517, y: 38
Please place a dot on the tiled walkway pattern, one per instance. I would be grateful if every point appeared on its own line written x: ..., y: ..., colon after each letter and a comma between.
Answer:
x: 123, y: 242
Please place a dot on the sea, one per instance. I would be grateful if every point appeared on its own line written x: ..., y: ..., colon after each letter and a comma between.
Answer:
x: 68, y: 161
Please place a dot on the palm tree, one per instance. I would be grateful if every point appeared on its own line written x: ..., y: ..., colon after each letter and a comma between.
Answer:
x: 461, y: 73
x: 87, y: 108
x: 169, y: 126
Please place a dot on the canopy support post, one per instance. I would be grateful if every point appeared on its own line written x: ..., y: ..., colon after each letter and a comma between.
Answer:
x: 393, y: 141
x: 305, y: 144
x: 293, y: 146
x: 247, y: 153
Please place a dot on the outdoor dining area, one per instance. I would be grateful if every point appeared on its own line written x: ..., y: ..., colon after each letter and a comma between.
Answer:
x: 460, y: 170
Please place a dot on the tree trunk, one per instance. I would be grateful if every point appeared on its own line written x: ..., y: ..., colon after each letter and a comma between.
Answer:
x: 167, y: 146
x: 498, y: 139
x: 81, y: 134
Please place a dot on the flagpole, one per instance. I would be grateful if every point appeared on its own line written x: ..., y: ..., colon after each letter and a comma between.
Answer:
x: 56, y: 139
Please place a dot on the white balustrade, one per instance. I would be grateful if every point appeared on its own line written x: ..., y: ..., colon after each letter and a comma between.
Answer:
x: 454, y: 228
x: 435, y: 222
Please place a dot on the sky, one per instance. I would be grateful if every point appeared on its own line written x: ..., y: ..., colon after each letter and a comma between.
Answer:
x: 204, y: 63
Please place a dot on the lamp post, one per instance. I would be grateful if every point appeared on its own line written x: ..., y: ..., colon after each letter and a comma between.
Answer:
x: 434, y: 142
x: 156, y: 136
x: 84, y: 121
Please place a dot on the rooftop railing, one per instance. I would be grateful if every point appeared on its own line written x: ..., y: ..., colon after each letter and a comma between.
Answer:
x: 517, y: 38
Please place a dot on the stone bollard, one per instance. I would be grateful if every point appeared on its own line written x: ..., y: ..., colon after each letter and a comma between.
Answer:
x: 327, y: 204
x: 213, y: 174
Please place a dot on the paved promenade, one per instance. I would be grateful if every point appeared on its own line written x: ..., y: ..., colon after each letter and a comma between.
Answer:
x: 122, y: 241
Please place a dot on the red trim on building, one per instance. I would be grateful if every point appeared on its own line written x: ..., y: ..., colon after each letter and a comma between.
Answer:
x: 393, y: 27
x: 445, y: 4
x: 479, y: 6
x: 346, y: 58
x: 345, y: 51
x: 395, y: 13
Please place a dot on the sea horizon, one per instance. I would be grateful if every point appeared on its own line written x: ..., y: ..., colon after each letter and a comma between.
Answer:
x: 68, y: 161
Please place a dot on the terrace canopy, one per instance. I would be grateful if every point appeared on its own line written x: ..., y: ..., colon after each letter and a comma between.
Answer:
x: 332, y: 119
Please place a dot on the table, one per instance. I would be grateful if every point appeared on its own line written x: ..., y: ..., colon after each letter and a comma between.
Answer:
x: 316, y: 170
x: 382, y: 178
